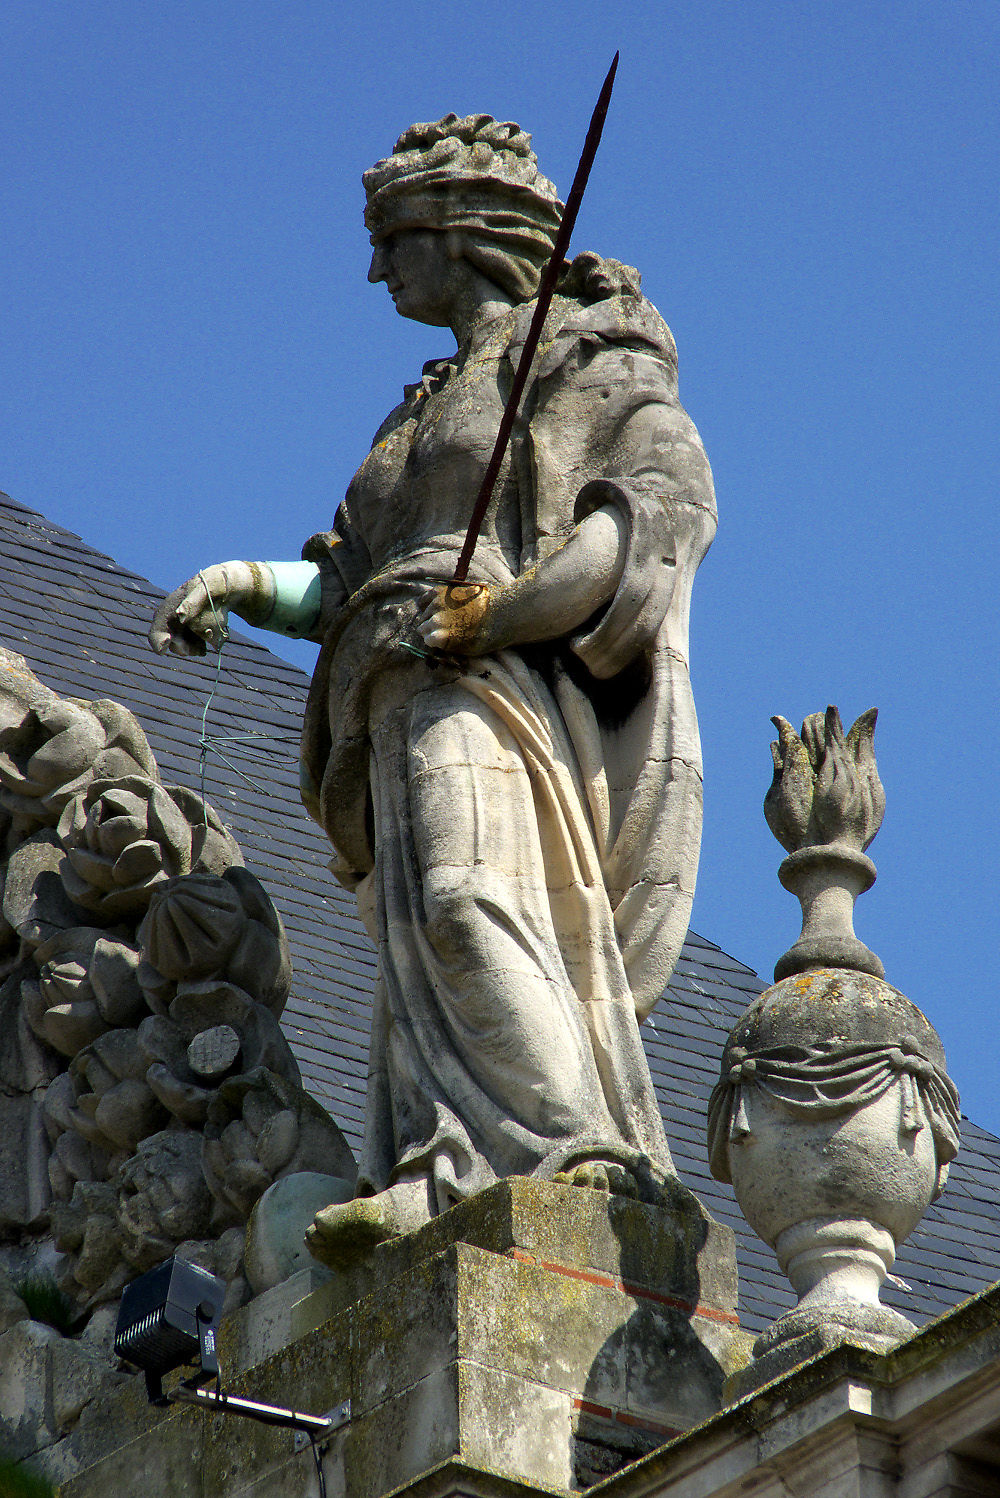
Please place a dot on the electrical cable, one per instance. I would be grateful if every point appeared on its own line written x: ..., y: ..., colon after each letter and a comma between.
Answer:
x: 203, y: 741
x: 209, y: 742
x: 319, y: 1466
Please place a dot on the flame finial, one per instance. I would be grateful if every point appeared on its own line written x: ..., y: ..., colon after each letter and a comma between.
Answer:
x: 824, y: 805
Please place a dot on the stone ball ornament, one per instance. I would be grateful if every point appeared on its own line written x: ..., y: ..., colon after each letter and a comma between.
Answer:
x: 834, y: 1118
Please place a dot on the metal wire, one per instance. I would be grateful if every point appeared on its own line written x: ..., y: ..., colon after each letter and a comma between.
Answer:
x: 204, y: 739
x: 319, y: 1466
x: 210, y: 742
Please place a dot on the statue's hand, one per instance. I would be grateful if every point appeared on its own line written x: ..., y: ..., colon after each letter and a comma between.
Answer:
x: 195, y: 615
x: 454, y: 619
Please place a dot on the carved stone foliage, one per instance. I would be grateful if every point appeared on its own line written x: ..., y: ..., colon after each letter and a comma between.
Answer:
x: 147, y: 1094
x: 826, y: 786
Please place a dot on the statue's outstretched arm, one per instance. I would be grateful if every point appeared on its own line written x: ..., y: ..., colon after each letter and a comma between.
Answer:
x: 552, y: 599
x: 280, y: 596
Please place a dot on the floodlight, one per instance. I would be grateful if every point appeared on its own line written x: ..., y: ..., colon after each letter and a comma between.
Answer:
x: 169, y: 1317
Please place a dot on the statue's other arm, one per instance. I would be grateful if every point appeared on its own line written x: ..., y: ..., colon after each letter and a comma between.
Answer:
x: 549, y: 600
x: 285, y: 597
x: 650, y: 521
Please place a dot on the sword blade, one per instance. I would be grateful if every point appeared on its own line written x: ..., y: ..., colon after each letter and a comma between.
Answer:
x: 546, y: 291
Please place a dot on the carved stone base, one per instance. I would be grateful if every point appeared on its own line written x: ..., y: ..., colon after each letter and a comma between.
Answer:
x: 837, y: 1265
x: 537, y: 1332
x: 800, y: 1347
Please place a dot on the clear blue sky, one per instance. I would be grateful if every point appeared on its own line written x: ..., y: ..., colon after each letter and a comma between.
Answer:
x: 194, y: 363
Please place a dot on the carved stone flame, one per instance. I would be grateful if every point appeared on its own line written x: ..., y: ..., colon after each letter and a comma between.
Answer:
x: 824, y: 806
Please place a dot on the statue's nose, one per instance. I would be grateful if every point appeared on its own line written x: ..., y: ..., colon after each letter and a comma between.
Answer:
x: 378, y: 270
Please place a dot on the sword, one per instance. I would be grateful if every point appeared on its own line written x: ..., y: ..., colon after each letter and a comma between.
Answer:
x: 546, y: 290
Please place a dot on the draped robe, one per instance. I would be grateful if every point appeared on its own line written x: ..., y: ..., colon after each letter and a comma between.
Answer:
x: 522, y: 829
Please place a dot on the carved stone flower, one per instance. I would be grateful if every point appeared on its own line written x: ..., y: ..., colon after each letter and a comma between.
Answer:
x: 261, y: 1127
x: 211, y: 1031
x: 123, y: 838
x: 53, y: 752
x: 85, y: 1231
x: 130, y: 1083
x: 163, y: 1198
x: 201, y: 926
x: 114, y: 1107
x: 73, y: 1158
x: 826, y: 787
x: 86, y: 985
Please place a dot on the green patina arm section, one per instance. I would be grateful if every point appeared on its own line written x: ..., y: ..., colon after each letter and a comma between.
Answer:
x: 297, y: 598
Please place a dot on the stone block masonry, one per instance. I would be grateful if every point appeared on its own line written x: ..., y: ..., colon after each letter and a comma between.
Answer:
x: 538, y: 1335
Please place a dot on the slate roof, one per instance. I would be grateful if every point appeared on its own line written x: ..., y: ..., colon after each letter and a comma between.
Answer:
x: 80, y: 620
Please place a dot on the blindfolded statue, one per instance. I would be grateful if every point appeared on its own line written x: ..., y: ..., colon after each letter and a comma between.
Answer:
x: 509, y: 771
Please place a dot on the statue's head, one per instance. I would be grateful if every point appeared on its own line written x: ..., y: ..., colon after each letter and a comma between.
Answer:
x: 477, y: 180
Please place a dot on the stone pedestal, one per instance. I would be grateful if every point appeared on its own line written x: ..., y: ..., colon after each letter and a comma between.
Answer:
x: 541, y: 1333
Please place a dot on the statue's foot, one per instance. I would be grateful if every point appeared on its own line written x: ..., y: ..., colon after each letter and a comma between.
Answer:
x: 344, y: 1234
x: 601, y: 1175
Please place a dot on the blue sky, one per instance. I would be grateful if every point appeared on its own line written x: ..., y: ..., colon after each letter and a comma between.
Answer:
x: 195, y: 364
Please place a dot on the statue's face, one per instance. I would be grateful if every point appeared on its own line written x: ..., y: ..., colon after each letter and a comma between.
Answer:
x: 423, y: 279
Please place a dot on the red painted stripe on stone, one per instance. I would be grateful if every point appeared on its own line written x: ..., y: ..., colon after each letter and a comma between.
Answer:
x: 604, y: 1280
x: 709, y: 1312
x: 639, y: 1292
x: 621, y: 1417
x: 624, y: 1418
x: 589, y: 1408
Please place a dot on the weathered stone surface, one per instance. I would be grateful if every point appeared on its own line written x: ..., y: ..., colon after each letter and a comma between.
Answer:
x: 214, y: 1051
x: 147, y: 1094
x: 165, y: 1459
x: 834, y: 1117
x: 51, y: 748
x: 520, y: 751
x: 79, y: 1371
x: 559, y: 1330
x: 824, y: 805
x: 27, y: 1064
x: 276, y: 1231
x: 12, y: 1307
x: 124, y: 838
x: 35, y: 901
x: 204, y: 926
x: 164, y: 1198
x: 492, y: 1356
x: 27, y: 1420
x: 256, y: 1331
x: 24, y: 1158
x: 836, y: 1123
x: 143, y: 972
x: 547, y: 1317
x: 100, y: 1329
x: 262, y: 1126
x: 676, y: 1250
x: 117, y: 1415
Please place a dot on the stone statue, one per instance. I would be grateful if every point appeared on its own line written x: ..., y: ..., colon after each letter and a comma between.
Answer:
x: 509, y: 771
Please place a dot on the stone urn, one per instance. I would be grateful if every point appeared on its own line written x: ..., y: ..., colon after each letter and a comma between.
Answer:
x: 834, y: 1118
